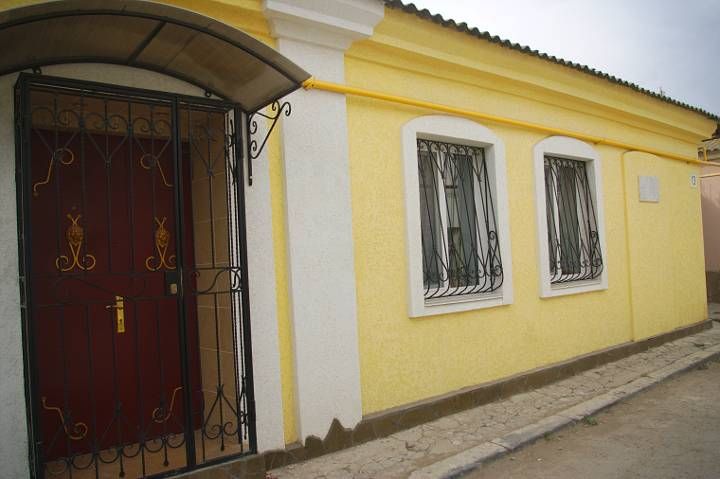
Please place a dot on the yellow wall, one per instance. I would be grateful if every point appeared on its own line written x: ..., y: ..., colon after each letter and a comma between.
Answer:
x: 654, y: 251
x: 666, y: 246
x: 405, y: 360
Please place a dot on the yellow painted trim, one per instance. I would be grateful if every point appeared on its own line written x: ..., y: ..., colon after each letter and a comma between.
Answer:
x: 313, y: 83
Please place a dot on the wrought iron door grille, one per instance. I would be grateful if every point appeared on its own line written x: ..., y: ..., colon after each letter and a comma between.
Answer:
x: 461, y: 253
x: 573, y: 241
x: 133, y: 274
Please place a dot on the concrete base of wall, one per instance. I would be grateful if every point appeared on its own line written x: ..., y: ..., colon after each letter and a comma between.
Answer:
x: 383, y: 424
x: 712, y: 279
x: 376, y: 426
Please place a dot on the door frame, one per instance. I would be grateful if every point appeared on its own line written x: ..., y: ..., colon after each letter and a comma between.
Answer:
x: 23, y: 180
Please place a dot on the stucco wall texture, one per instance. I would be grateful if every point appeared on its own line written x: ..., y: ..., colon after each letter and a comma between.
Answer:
x: 654, y: 254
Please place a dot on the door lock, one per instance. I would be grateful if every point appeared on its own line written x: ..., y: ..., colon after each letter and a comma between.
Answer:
x: 172, y: 280
x: 119, y: 308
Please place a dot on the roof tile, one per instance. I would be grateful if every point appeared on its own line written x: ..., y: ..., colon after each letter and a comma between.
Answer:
x: 484, y: 35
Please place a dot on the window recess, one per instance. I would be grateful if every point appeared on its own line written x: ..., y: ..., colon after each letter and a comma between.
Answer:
x: 573, y: 240
x: 460, y: 249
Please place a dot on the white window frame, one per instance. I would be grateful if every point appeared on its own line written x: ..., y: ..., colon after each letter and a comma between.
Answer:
x: 460, y: 131
x: 570, y: 148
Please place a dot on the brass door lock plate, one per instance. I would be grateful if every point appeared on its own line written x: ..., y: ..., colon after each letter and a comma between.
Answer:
x: 119, y: 308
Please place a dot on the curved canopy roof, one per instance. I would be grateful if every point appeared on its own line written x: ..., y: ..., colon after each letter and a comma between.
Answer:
x: 149, y: 35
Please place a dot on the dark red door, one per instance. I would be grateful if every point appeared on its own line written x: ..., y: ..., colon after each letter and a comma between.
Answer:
x: 105, y: 286
x: 133, y: 370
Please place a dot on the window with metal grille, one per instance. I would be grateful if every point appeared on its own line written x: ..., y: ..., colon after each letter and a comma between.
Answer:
x: 460, y: 250
x: 573, y: 240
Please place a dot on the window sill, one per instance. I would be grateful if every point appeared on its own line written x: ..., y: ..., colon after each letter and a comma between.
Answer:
x: 437, y: 306
x: 577, y: 287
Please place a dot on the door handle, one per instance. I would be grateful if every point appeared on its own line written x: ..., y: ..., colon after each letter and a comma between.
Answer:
x: 119, y: 308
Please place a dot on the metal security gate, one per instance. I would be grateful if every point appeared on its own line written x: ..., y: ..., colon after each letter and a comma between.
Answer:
x: 133, y: 280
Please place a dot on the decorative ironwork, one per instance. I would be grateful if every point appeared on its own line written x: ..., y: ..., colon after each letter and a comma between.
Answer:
x: 154, y: 162
x: 75, y: 235
x: 219, y: 280
x: 162, y: 240
x: 146, y: 402
x: 573, y: 241
x: 58, y: 153
x: 161, y: 414
x: 461, y: 253
x: 79, y: 429
x: 277, y: 109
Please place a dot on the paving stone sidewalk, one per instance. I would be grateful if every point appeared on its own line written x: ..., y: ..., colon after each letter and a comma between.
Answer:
x: 714, y: 311
x: 398, y: 455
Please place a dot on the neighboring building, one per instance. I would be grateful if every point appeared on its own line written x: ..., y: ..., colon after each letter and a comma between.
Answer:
x: 710, y: 150
x: 710, y: 189
x: 443, y: 218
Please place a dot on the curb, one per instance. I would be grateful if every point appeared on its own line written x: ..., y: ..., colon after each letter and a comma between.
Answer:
x: 460, y: 464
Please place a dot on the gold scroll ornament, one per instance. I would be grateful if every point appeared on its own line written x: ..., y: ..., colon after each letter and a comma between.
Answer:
x: 75, y: 235
x: 160, y: 414
x: 58, y: 154
x: 162, y: 240
x: 79, y: 429
x: 154, y: 161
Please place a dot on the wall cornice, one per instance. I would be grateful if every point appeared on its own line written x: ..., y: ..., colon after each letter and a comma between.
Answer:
x: 333, y: 24
x: 427, y: 49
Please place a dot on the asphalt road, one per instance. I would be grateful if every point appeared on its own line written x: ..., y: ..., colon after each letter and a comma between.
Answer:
x: 669, y: 432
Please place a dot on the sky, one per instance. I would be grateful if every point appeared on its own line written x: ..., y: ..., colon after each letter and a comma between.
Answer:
x: 668, y: 45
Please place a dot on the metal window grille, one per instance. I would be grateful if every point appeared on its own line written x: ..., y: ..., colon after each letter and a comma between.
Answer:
x: 461, y: 254
x: 573, y: 241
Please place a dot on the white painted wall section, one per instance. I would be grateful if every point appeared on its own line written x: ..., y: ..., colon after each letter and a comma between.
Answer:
x: 314, y: 34
x: 13, y: 426
x: 263, y: 307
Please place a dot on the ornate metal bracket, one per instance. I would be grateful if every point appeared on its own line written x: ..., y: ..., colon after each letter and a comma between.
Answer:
x: 277, y: 109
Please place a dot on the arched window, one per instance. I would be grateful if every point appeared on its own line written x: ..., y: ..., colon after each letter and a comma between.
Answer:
x: 457, y: 216
x: 570, y: 217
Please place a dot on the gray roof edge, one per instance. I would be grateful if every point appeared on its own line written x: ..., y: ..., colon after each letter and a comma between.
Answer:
x: 484, y: 35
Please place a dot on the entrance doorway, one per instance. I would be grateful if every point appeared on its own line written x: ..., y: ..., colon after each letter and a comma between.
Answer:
x: 133, y: 274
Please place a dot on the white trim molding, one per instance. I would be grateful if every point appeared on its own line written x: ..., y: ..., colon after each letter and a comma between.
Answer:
x: 333, y: 24
x: 571, y: 148
x: 321, y: 260
x: 465, y: 132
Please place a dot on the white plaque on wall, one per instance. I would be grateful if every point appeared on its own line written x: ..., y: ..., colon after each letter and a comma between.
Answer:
x: 649, y: 188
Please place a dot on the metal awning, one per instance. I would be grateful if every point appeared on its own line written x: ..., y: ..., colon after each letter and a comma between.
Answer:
x: 205, y: 52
